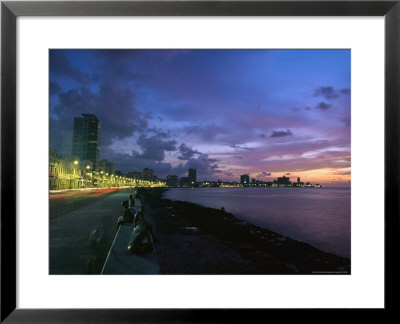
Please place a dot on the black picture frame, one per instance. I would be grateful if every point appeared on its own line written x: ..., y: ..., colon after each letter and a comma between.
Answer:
x: 10, y: 10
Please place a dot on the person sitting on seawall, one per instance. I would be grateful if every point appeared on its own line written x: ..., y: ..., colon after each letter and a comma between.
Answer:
x: 131, y: 201
x: 132, y: 205
x: 124, y: 204
x: 128, y: 214
x: 140, y: 241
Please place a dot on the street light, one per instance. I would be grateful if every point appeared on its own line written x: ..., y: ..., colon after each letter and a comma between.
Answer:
x: 74, y: 172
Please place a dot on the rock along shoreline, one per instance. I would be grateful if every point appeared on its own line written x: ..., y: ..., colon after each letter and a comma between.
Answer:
x: 192, y: 239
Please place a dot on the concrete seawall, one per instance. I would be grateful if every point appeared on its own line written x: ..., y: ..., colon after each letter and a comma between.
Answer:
x: 121, y: 261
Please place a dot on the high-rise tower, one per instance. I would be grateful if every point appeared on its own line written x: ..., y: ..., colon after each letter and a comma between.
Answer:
x: 192, y: 176
x: 86, y: 138
x: 245, y: 179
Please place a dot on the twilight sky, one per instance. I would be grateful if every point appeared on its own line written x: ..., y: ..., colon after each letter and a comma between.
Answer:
x: 266, y: 113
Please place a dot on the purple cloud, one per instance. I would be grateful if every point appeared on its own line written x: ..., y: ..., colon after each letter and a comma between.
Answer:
x: 205, y: 166
x: 323, y: 106
x: 112, y: 104
x: 264, y: 174
x: 281, y: 133
x: 186, y: 152
x: 237, y: 105
x: 326, y: 92
x: 154, y: 147
x: 345, y: 91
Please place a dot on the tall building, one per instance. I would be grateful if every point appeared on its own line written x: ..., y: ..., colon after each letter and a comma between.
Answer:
x: 184, y: 182
x: 244, y: 179
x: 192, y: 176
x: 283, y: 180
x: 172, y: 180
x: 148, y: 174
x: 86, y: 138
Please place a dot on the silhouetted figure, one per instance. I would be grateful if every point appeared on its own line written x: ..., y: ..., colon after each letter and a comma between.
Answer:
x: 132, y: 205
x: 124, y: 205
x: 96, y: 243
x: 140, y: 241
x: 131, y: 201
x: 128, y: 215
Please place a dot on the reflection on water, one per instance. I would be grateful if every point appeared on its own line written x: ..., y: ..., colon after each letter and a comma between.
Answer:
x: 320, y: 217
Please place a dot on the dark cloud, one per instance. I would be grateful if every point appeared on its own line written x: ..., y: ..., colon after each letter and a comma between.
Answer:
x: 281, y: 133
x: 287, y: 174
x: 186, y: 152
x: 326, y: 92
x: 323, y: 106
x: 113, y: 105
x: 222, y: 117
x: 124, y: 55
x: 345, y: 91
x: 54, y: 88
x: 154, y: 147
x: 117, y: 55
x: 235, y: 146
x: 60, y: 137
x: 206, y: 167
x: 208, y: 132
x: 60, y: 66
x: 264, y: 174
x: 130, y: 162
x: 134, y: 65
x: 330, y: 93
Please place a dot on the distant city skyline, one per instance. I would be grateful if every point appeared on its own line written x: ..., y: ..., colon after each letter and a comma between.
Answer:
x: 265, y: 113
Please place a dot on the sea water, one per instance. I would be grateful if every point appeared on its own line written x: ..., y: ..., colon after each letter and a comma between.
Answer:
x: 317, y: 216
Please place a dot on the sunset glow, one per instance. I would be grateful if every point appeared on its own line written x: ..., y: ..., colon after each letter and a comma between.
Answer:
x: 266, y: 113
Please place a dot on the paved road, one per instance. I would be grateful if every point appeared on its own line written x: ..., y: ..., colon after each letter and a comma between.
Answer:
x: 64, y: 202
x: 71, y: 226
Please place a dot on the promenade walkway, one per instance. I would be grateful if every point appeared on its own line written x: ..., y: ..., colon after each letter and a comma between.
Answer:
x: 120, y: 261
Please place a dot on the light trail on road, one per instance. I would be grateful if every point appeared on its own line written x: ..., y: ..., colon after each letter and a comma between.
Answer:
x: 88, y: 193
